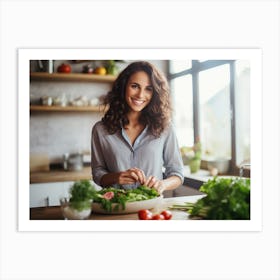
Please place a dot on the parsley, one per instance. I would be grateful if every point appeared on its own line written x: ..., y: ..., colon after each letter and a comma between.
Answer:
x: 226, y: 199
x: 81, y: 195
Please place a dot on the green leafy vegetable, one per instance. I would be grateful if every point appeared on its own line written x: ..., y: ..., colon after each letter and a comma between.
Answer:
x: 226, y: 199
x: 107, y: 196
x: 81, y: 195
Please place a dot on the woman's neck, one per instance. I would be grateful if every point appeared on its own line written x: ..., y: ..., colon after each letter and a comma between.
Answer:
x: 134, y: 118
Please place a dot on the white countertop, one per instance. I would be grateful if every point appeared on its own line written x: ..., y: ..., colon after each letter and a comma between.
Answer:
x: 201, y: 175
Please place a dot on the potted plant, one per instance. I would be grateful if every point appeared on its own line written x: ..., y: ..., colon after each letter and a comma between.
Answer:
x: 192, y: 156
x: 78, y: 206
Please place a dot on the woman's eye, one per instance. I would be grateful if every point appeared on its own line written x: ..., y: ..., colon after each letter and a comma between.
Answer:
x: 149, y: 89
x: 134, y: 86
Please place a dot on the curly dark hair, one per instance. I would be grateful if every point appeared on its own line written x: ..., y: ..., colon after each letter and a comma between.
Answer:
x: 156, y: 114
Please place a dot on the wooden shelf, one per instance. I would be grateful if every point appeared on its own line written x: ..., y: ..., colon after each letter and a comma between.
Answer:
x: 77, y: 77
x: 60, y: 176
x: 41, y: 108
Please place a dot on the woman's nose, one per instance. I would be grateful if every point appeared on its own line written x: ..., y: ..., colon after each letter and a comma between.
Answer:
x: 140, y: 92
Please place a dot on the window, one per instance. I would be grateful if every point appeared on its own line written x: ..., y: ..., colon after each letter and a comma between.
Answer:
x: 214, y: 110
x: 212, y: 101
x: 183, y: 115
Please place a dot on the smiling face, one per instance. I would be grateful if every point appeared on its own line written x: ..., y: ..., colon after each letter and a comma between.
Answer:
x: 139, y: 91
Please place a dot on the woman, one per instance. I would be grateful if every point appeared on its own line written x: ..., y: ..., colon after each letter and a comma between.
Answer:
x: 135, y: 139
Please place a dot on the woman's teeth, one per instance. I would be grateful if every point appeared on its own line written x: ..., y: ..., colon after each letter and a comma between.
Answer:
x: 137, y: 102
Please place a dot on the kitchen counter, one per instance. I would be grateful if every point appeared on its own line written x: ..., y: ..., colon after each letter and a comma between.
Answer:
x: 201, y: 175
x: 60, y: 175
x: 54, y: 213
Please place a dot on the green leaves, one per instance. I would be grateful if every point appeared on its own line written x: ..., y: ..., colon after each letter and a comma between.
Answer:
x: 227, y: 199
x: 81, y: 195
x: 121, y: 197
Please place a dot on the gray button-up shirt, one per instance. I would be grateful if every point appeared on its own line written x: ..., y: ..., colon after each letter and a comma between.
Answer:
x: 114, y: 153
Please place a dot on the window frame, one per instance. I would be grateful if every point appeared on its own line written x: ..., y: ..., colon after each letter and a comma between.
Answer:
x: 195, y: 69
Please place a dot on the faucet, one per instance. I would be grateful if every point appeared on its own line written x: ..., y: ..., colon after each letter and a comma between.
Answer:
x: 241, y: 168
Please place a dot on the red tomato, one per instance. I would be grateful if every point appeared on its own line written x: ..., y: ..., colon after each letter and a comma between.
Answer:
x: 167, y: 214
x: 145, y: 214
x: 158, y: 217
x: 64, y: 68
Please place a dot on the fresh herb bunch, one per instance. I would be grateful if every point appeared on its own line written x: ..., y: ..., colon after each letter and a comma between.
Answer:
x: 81, y: 195
x: 226, y: 199
x: 107, y: 196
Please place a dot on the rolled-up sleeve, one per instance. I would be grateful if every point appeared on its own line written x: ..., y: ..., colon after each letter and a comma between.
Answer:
x: 172, y: 158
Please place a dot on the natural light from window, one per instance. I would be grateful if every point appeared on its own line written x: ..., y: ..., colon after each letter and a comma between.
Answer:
x: 183, y: 115
x: 214, y: 102
x: 215, y: 107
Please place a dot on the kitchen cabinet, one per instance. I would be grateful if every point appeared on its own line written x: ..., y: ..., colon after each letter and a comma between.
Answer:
x: 47, y: 187
x: 48, y: 194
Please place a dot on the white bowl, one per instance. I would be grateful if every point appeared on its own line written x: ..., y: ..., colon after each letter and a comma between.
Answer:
x: 222, y: 165
x: 71, y: 213
x: 130, y: 207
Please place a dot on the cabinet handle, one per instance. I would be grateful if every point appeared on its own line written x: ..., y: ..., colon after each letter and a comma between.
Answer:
x: 47, y: 201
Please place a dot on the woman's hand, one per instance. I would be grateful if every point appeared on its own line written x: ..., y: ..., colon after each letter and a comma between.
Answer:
x: 153, y: 182
x: 131, y: 176
x: 169, y: 183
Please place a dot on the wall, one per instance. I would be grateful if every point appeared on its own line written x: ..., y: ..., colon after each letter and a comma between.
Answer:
x: 56, y: 133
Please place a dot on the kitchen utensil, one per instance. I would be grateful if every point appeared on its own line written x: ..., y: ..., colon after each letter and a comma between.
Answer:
x: 73, y: 162
x: 221, y: 164
x: 46, y: 100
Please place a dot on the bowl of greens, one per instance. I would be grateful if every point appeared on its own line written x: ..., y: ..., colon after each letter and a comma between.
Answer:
x: 78, y: 205
x: 120, y: 201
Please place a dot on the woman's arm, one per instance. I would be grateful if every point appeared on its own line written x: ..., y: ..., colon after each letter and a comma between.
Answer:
x: 173, y: 165
x: 172, y: 157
